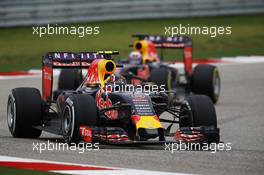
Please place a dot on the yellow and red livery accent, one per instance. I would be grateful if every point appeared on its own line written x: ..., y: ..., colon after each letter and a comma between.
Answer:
x: 99, y: 71
x: 146, y: 122
x: 147, y: 49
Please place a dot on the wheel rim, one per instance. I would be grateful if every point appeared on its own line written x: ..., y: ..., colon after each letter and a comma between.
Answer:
x: 11, y: 114
x: 217, y: 87
x: 67, y: 123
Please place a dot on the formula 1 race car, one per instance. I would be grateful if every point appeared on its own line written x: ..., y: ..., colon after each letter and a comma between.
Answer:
x: 97, y: 112
x: 144, y: 66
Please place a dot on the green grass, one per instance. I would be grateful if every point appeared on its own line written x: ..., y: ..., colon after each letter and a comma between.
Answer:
x: 13, y: 171
x: 20, y: 50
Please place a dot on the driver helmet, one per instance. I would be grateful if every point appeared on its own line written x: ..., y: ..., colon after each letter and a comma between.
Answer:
x: 135, y: 57
x: 116, y: 78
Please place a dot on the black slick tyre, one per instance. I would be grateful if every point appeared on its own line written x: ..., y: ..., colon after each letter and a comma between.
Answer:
x: 79, y: 110
x: 162, y: 77
x: 198, y: 110
x: 24, y: 108
x: 69, y: 79
x: 206, y: 80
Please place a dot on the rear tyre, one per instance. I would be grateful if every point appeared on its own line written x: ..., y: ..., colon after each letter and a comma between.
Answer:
x: 24, y: 108
x: 162, y: 77
x: 198, y: 110
x: 79, y: 110
x: 206, y: 80
x: 69, y: 79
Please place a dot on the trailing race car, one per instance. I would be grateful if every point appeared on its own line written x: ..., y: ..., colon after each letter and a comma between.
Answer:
x: 144, y: 66
x: 96, y: 112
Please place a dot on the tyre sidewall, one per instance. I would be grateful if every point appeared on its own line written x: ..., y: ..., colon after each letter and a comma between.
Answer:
x: 72, y: 134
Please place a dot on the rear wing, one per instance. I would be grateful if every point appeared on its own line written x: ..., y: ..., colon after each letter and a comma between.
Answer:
x: 177, y: 42
x: 180, y: 41
x: 70, y: 59
x: 67, y: 60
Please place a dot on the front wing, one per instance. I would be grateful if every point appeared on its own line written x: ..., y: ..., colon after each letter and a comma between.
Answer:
x: 118, y: 136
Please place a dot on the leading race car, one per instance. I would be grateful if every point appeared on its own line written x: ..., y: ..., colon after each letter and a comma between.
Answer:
x: 97, y: 112
x: 144, y: 64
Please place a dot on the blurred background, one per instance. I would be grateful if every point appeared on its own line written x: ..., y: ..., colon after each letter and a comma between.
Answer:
x: 118, y: 20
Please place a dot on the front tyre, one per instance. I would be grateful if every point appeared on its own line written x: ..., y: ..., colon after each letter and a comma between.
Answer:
x: 79, y: 110
x: 198, y: 110
x: 24, y: 112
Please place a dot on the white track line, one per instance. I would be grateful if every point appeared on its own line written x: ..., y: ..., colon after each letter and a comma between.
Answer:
x: 115, y: 171
x: 244, y: 59
x: 119, y: 172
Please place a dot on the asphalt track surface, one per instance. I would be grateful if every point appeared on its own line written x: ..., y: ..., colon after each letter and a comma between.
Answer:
x: 240, y: 118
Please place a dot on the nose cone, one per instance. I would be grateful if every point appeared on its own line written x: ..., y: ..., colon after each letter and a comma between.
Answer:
x: 147, y: 126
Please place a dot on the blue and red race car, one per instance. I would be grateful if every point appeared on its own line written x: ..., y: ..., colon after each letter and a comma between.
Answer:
x: 144, y: 64
x: 96, y: 112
